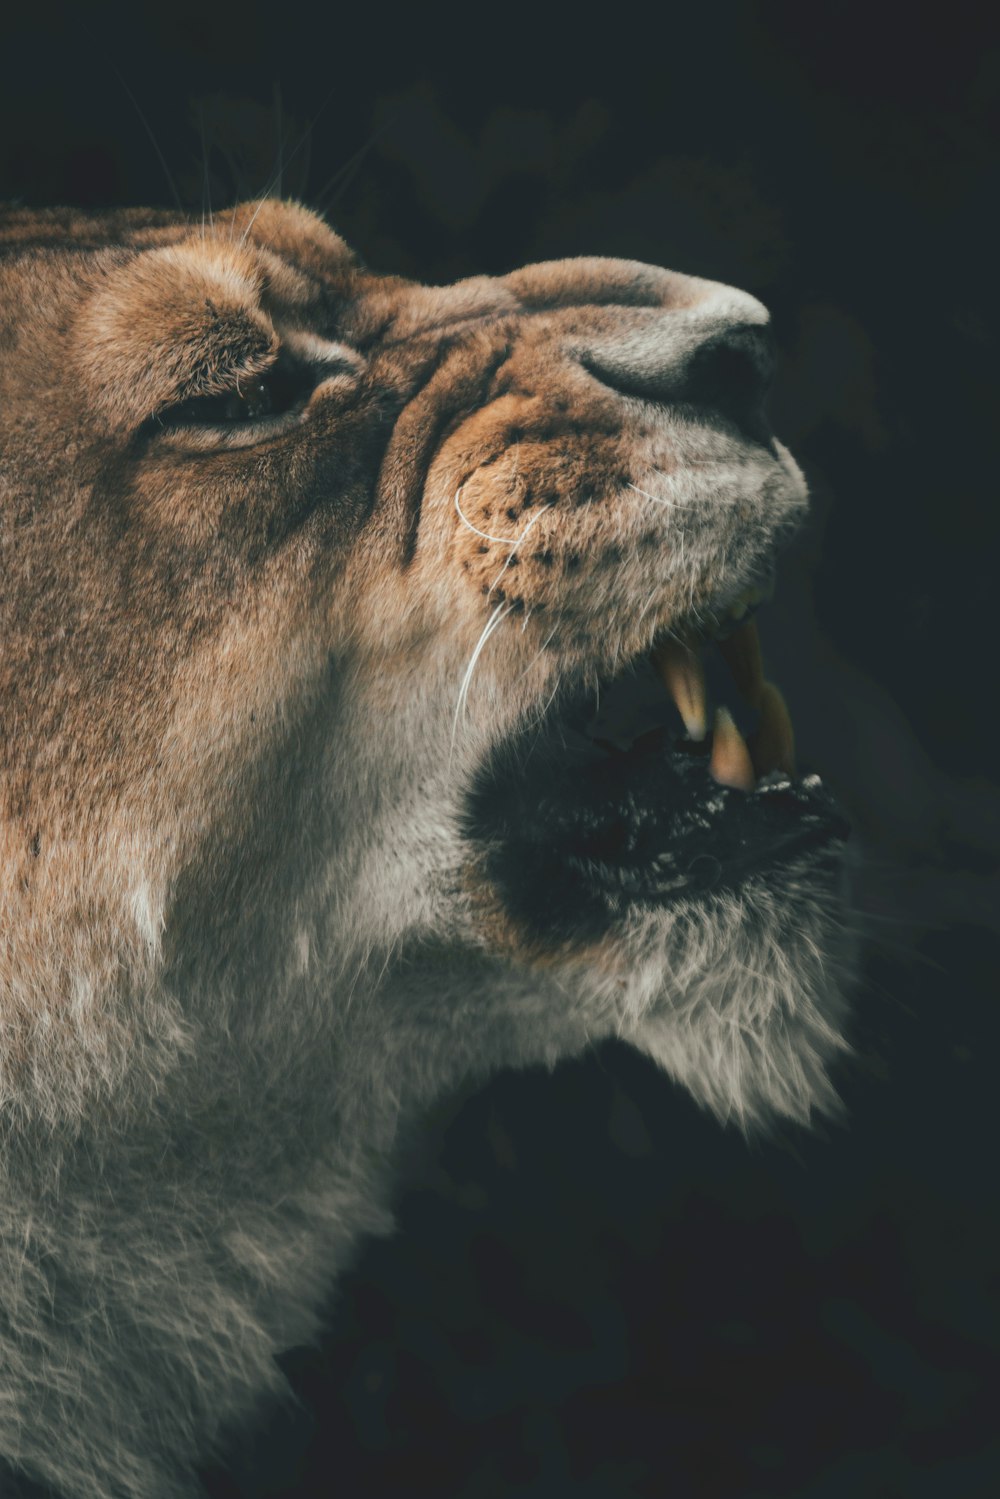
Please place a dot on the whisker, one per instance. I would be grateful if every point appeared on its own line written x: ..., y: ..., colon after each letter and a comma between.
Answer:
x: 655, y: 594
x: 657, y: 499
x: 540, y: 651
x: 345, y: 174
x: 517, y: 543
x: 504, y: 541
x: 284, y: 164
x: 206, y: 181
x: 253, y: 217
x: 153, y: 141
x: 277, y: 132
x: 540, y: 717
x: 494, y: 620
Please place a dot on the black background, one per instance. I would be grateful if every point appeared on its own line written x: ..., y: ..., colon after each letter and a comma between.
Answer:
x: 595, y: 1290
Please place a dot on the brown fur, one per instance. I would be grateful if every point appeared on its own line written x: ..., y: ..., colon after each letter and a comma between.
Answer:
x: 237, y: 939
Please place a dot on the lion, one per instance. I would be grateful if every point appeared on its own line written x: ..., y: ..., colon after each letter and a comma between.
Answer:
x: 356, y: 744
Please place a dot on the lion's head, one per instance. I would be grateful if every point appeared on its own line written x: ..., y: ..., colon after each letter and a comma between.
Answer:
x: 355, y: 734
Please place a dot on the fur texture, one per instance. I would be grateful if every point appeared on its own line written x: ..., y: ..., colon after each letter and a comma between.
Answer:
x: 286, y: 549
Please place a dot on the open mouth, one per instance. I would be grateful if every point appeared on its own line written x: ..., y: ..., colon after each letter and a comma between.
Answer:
x: 636, y: 796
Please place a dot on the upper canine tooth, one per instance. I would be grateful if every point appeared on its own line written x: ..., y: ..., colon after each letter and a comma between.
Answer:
x: 741, y: 653
x: 774, y: 741
x: 680, y: 670
x: 730, y: 763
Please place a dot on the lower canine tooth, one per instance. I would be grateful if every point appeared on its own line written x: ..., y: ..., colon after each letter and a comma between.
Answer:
x: 730, y: 763
x: 741, y: 653
x: 680, y: 670
x: 774, y: 741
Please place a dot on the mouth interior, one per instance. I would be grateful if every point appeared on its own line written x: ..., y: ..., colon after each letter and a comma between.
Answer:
x: 626, y: 797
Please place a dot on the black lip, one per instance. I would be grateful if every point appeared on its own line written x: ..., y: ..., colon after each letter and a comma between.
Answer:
x: 571, y: 835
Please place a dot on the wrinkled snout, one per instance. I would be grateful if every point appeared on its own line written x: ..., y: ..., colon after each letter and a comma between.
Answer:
x: 597, y: 456
x: 643, y: 333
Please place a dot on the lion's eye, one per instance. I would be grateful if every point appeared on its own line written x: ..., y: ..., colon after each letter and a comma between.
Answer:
x: 255, y: 399
x: 249, y: 403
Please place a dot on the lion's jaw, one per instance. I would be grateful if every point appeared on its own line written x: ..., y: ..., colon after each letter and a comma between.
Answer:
x: 485, y: 935
x: 579, y: 547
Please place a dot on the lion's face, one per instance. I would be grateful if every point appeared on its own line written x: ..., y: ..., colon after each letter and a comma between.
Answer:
x: 341, y: 622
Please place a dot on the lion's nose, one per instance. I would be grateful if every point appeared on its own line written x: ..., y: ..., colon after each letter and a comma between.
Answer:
x: 724, y: 369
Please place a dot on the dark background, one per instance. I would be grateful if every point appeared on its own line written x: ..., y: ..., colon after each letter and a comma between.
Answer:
x: 596, y: 1291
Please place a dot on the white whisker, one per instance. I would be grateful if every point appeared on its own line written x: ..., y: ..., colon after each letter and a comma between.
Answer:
x: 504, y: 541
x: 540, y: 652
x: 657, y: 499
x: 517, y: 543
x: 656, y: 594
x: 206, y: 181
x: 253, y: 218
x: 540, y: 717
x: 463, y: 692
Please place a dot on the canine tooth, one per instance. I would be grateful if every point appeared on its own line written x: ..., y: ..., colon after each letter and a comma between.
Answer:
x: 730, y: 763
x: 680, y: 670
x: 774, y: 741
x: 741, y: 653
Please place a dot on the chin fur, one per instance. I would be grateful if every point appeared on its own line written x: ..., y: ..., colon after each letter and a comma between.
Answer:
x: 742, y: 998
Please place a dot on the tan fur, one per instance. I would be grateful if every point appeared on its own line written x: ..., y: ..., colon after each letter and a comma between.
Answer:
x: 238, y: 947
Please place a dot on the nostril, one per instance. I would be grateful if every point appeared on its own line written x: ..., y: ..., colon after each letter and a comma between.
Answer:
x: 738, y: 364
x: 728, y: 373
x: 731, y: 374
